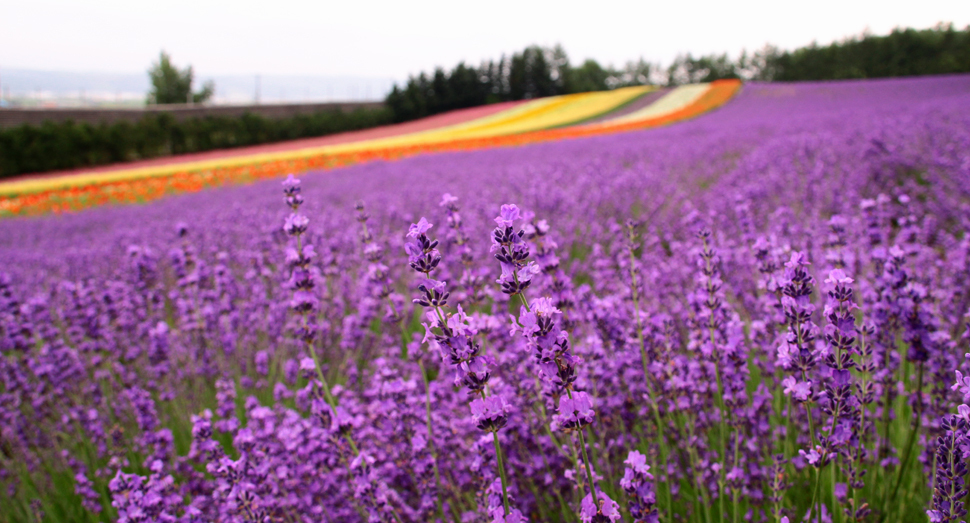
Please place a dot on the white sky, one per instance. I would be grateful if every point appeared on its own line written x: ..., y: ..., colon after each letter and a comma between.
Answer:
x: 381, y: 38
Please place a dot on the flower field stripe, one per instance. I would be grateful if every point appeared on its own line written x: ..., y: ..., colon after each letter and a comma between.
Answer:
x: 541, y: 114
x: 568, y: 111
x: 525, y: 111
x: 632, y: 105
x: 529, y: 109
x: 719, y: 93
x: 675, y: 100
x: 440, y: 121
x: 43, y: 195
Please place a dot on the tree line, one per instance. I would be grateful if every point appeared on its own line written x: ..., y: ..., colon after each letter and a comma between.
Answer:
x: 70, y: 145
x: 541, y: 71
x: 904, y: 52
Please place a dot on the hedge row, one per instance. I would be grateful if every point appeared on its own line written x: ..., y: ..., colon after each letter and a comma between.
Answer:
x: 71, y: 145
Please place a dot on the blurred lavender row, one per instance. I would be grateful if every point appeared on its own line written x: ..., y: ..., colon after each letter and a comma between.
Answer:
x: 757, y: 315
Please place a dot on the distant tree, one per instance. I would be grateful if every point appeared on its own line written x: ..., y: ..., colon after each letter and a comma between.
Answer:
x: 587, y: 77
x: 635, y: 73
x: 559, y: 67
x: 530, y: 75
x: 498, y: 77
x: 172, y: 86
x: 689, y: 70
x: 466, y: 87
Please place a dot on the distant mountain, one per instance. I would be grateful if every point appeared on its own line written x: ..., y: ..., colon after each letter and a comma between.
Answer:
x: 97, y: 87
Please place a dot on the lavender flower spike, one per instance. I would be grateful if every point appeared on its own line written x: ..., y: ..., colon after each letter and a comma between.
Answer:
x: 638, y: 484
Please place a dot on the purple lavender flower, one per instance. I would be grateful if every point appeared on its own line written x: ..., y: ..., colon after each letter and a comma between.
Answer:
x: 490, y: 413
x: 574, y: 412
x: 423, y: 255
x: 604, y: 510
x: 800, y: 391
x: 951, y: 455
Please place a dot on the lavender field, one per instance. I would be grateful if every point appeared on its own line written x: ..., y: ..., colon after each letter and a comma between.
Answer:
x: 758, y: 315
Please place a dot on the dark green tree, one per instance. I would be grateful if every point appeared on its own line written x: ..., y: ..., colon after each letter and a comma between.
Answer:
x: 587, y: 77
x: 467, y: 86
x: 530, y: 75
x: 173, y: 86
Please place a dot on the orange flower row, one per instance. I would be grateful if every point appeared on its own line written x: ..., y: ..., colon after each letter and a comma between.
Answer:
x: 151, y: 188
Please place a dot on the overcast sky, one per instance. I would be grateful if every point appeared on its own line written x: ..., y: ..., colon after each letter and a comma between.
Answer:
x: 400, y: 37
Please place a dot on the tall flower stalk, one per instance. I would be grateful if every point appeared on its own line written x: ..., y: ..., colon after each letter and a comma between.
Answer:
x: 450, y: 332
x: 299, y: 256
x: 551, y: 349
x: 842, y: 404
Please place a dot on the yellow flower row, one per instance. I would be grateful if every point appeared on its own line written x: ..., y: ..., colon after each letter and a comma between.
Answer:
x: 536, y: 115
x: 544, y: 113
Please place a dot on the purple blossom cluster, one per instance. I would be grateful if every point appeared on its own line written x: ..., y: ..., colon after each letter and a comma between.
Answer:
x: 757, y: 315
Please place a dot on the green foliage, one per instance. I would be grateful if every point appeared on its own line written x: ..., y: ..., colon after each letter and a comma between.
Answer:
x: 531, y: 76
x: 588, y: 77
x: 69, y: 145
x: 172, y: 86
x: 904, y: 52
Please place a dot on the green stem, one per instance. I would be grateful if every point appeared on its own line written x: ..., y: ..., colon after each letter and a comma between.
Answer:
x: 734, y: 492
x: 646, y: 377
x: 884, y: 444
x: 525, y: 302
x: 501, y: 467
x: 434, y: 450
x: 911, y: 439
x: 836, y: 513
x: 329, y: 397
x: 788, y: 431
x: 586, y: 463
x: 589, y: 470
x: 577, y: 470
x: 501, y: 471
x: 663, y: 459
x: 818, y: 479
x: 692, y: 452
x: 811, y: 425
x: 316, y: 363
